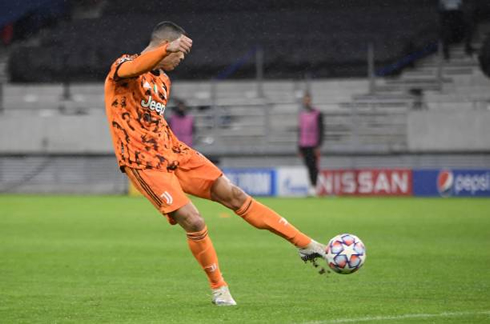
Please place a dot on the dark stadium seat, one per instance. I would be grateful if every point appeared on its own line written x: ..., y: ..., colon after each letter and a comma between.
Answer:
x: 295, y: 39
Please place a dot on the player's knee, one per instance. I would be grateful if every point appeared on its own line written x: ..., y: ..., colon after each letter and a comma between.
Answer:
x: 192, y: 222
x: 237, y: 198
x: 227, y: 194
x: 196, y: 222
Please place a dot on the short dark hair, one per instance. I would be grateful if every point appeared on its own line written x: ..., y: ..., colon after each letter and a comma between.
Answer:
x: 166, y: 30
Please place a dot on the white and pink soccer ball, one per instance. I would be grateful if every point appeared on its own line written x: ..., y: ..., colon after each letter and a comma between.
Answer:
x: 345, y: 253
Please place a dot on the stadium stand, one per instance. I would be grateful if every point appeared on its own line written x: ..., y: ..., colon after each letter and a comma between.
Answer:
x: 240, y: 123
x: 306, y: 38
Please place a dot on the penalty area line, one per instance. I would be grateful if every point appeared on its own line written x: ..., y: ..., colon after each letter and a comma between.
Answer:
x: 398, y: 317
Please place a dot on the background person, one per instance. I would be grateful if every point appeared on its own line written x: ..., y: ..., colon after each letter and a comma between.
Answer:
x: 182, y: 123
x: 310, y: 140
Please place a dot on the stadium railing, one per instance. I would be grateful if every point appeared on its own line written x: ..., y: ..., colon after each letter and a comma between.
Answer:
x: 235, y: 120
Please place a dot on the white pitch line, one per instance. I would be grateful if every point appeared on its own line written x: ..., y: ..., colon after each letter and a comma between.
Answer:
x: 388, y: 318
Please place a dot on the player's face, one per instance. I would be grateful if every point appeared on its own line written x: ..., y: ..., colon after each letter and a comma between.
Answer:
x: 171, y: 61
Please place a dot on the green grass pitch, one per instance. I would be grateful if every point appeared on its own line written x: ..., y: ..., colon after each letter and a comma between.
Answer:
x: 116, y: 260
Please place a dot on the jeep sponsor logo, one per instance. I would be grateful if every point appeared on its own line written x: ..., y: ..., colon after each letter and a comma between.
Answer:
x: 153, y: 105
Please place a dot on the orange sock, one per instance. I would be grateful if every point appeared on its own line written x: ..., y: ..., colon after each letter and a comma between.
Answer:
x: 203, y: 250
x: 263, y: 217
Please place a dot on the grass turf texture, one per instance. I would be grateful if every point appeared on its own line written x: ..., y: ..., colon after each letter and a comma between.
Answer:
x: 115, y: 260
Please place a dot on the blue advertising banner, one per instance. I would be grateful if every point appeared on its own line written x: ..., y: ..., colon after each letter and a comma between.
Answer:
x: 255, y: 182
x: 451, y: 183
x: 292, y: 182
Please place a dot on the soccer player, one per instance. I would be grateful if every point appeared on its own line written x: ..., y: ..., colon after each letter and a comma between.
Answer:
x: 165, y: 169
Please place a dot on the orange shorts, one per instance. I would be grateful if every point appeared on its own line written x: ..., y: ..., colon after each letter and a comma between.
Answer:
x: 167, y: 190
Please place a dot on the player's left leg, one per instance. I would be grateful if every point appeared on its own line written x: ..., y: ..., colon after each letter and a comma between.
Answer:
x: 202, y: 248
x: 163, y: 190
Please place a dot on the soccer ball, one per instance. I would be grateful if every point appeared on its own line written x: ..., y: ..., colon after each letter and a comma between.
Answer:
x: 345, y: 253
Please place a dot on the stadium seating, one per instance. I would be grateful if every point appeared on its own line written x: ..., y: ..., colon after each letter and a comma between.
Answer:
x: 355, y: 119
x: 304, y: 38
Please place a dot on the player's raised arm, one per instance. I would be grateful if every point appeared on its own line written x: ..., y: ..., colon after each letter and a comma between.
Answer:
x: 152, y: 57
x: 182, y: 44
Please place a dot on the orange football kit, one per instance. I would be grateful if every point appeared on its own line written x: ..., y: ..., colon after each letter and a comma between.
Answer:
x: 163, y: 168
x: 160, y: 166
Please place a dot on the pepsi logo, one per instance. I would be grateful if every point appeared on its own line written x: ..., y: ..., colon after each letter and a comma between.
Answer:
x: 445, y: 181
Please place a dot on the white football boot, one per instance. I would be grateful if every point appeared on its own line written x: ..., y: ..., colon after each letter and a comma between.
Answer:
x: 222, y: 297
x: 313, y: 251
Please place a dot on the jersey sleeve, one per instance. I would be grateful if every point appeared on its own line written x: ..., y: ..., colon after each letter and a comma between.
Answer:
x: 117, y: 64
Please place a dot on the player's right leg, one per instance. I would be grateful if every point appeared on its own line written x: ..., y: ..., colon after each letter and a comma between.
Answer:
x: 163, y: 190
x: 201, y: 178
x: 262, y: 217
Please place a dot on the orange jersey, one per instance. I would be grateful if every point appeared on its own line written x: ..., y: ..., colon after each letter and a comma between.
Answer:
x: 135, y: 110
